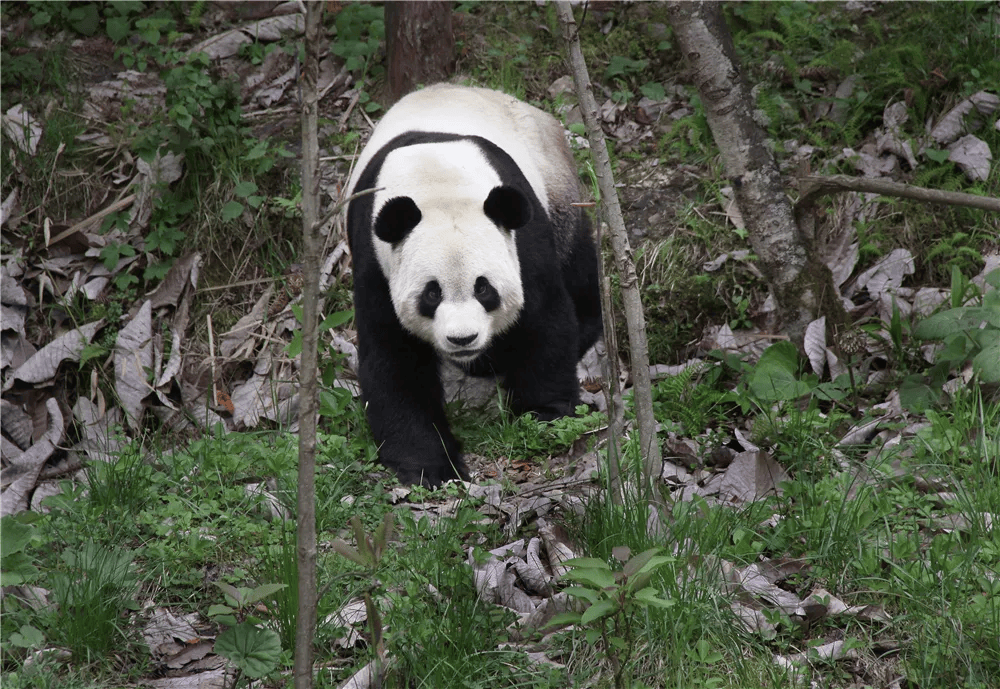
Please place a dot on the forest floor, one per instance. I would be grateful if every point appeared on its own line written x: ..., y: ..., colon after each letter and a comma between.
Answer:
x: 826, y: 516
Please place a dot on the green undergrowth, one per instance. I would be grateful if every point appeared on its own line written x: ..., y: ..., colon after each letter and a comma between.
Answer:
x: 907, y: 531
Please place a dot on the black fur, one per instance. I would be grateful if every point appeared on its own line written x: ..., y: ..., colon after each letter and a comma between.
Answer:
x: 535, y: 360
x: 396, y: 218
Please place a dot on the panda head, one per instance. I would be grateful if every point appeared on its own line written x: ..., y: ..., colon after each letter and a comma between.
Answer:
x: 444, y: 232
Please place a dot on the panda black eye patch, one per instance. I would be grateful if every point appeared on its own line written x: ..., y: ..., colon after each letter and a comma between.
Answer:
x: 430, y: 298
x: 397, y: 217
x: 486, y: 294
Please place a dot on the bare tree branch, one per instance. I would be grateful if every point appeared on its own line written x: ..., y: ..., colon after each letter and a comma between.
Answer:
x: 814, y: 186
x: 635, y: 320
x: 308, y: 398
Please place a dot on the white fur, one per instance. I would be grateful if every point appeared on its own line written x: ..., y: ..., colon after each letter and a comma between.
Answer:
x: 532, y: 137
x: 454, y: 244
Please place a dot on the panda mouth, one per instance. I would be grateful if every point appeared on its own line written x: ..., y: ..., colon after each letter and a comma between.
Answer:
x: 464, y: 356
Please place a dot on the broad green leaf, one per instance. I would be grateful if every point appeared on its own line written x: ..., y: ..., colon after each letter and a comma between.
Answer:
x: 774, y: 377
x: 596, y: 578
x: 782, y: 355
x: 940, y: 325
x: 335, y: 320
x: 649, y: 596
x: 987, y: 362
x: 653, y: 91
x: 915, y: 395
x: 244, y: 189
x: 17, y: 569
x: 564, y: 618
x: 219, y: 609
x: 15, y: 536
x: 27, y: 637
x: 232, y: 210
x: 231, y: 591
x: 639, y: 581
x: 254, y: 650
x: 772, y: 384
x: 646, y: 562
x: 117, y: 28
x: 590, y: 595
x: 635, y: 564
x: 598, y: 610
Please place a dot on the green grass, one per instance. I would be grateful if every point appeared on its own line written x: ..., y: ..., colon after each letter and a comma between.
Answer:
x: 869, y: 531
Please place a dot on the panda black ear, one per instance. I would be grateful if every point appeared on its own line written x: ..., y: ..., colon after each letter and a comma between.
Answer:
x: 508, y: 208
x: 397, y: 217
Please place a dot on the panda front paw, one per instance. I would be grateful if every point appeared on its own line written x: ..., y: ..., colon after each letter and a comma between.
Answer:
x: 430, y: 475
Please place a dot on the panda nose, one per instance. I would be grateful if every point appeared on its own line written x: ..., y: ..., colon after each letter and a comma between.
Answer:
x: 462, y: 340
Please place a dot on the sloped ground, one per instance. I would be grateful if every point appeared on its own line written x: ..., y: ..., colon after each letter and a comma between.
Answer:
x: 90, y: 367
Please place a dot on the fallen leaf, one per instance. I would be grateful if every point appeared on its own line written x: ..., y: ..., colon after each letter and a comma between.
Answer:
x: 953, y: 123
x: 22, y: 128
x: 44, y: 364
x: 973, y: 157
x: 886, y: 275
x: 751, y: 476
x: 29, y: 464
x: 814, y: 344
x: 181, y: 277
x: 133, y: 359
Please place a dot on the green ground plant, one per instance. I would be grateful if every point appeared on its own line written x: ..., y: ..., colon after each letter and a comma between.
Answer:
x: 254, y: 648
x: 613, y: 600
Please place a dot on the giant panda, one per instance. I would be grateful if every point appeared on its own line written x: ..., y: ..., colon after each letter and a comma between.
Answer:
x: 469, y: 250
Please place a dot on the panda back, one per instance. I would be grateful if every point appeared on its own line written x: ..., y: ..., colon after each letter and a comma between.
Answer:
x: 533, y: 138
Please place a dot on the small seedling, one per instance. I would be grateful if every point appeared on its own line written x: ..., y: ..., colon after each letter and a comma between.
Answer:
x: 252, y: 647
x: 613, y: 600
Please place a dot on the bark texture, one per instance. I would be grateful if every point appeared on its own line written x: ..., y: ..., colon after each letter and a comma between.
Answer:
x: 420, y: 45
x: 635, y: 320
x: 802, y: 285
x: 308, y: 399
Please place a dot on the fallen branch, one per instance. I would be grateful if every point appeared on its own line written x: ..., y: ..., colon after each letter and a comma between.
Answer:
x: 99, y: 215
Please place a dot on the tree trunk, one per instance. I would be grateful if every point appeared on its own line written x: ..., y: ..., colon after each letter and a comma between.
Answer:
x: 420, y: 45
x: 642, y: 395
x: 801, y: 284
x: 308, y: 398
